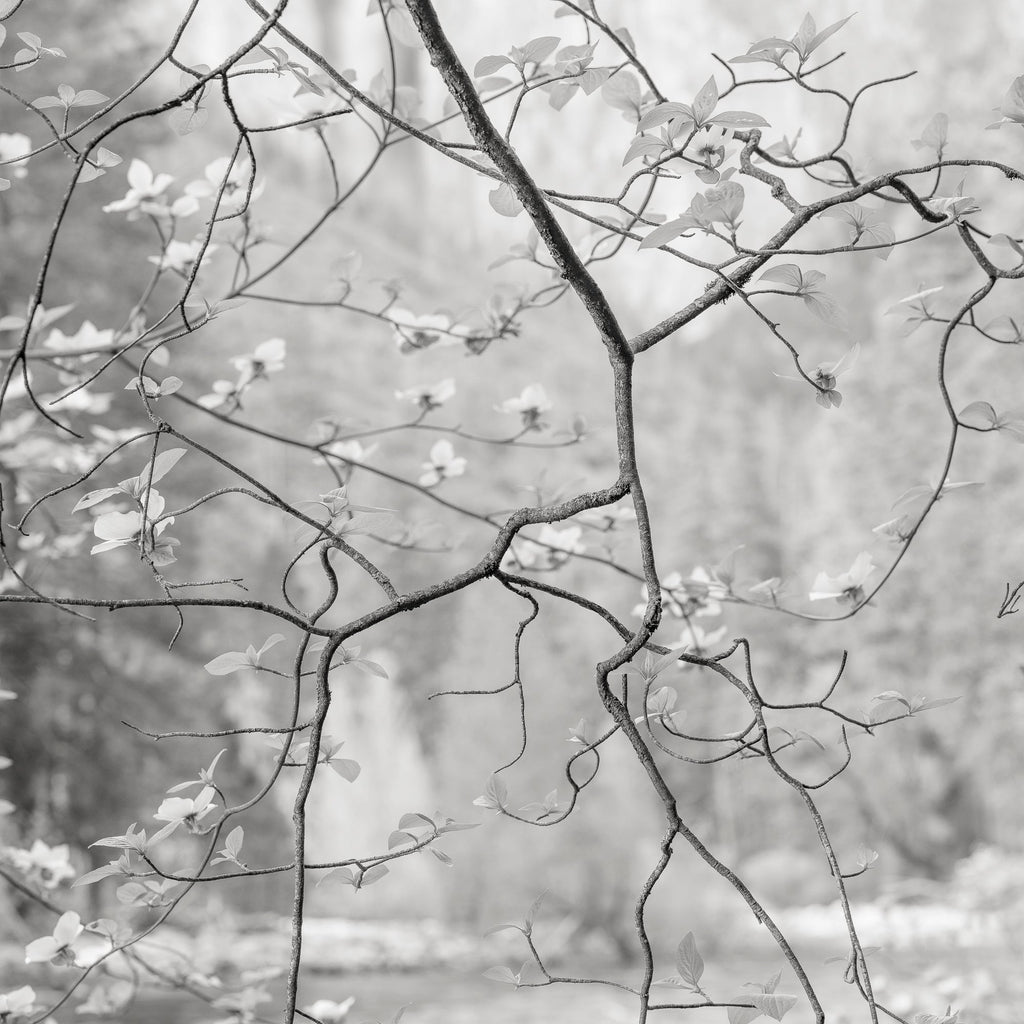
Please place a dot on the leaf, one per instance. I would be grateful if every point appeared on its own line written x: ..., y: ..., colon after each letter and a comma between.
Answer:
x: 645, y: 145
x: 161, y: 465
x: 666, y: 232
x: 934, y: 135
x: 743, y: 1014
x: 345, y: 767
x: 371, y: 875
x: 95, y: 497
x: 536, y: 51
x: 739, y: 119
x: 495, y: 795
x: 415, y: 820
x: 705, y: 101
x: 689, y: 961
x: 502, y: 974
x: 441, y: 856
x: 978, y: 414
x: 90, y: 877
x: 233, y: 843
x: 88, y: 98
x: 824, y: 34
x: 398, y: 838
x: 622, y: 91
x: 665, y: 112
x: 785, y: 273
x: 531, y: 913
x: 503, y: 200
x: 488, y: 65
x: 225, y: 664
x: 825, y: 307
x: 774, y: 1005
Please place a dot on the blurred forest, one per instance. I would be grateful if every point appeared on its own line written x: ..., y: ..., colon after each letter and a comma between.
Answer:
x: 735, y: 457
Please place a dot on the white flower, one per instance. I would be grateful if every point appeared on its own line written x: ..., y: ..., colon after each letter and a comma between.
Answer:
x: 531, y: 405
x: 86, y: 338
x: 412, y: 332
x: 16, y: 1003
x: 46, y: 865
x: 428, y: 398
x: 12, y: 146
x: 58, y: 947
x: 847, y: 587
x: 551, y: 549
x: 118, y: 529
x: 348, y: 451
x: 443, y: 463
x: 223, y: 392
x: 235, y: 182
x: 330, y: 1012
x: 142, y: 185
x: 181, y: 256
x: 187, y: 811
x: 696, y: 638
x: 267, y: 357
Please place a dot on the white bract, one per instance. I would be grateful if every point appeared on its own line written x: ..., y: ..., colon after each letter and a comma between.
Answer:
x: 142, y: 185
x: 431, y: 397
x: 847, y: 587
x: 330, y: 1012
x: 444, y: 463
x: 17, y: 1002
x: 58, y: 948
x: 531, y: 404
x: 12, y: 146
x: 187, y: 811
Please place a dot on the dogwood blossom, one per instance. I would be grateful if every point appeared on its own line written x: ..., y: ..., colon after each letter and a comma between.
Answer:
x: 266, y: 358
x: 181, y: 256
x: 330, y: 1012
x: 696, y: 638
x: 58, y: 948
x: 847, y: 587
x: 45, y: 865
x: 142, y: 185
x: 348, y: 451
x: 187, y: 811
x: 82, y: 343
x: 427, y: 398
x: 444, y: 463
x: 235, y: 185
x: 118, y: 529
x: 531, y: 404
x: 17, y: 1003
x: 12, y: 146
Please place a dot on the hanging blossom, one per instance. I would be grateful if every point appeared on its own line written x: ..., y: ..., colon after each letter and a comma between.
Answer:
x: 709, y: 146
x: 348, y: 451
x: 120, y: 529
x: 427, y: 398
x: 699, y: 594
x: 443, y: 464
x: 552, y: 548
x: 17, y: 1003
x: 267, y: 358
x: 12, y: 146
x: 143, y: 186
x: 58, y: 948
x: 699, y: 640
x: 181, y: 257
x: 847, y: 587
x: 83, y: 343
x: 43, y: 865
x: 187, y: 811
x: 531, y: 405
x: 235, y: 183
x: 329, y: 1012
x: 412, y: 333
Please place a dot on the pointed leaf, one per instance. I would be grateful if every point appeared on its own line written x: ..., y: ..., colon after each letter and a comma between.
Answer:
x: 689, y: 961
